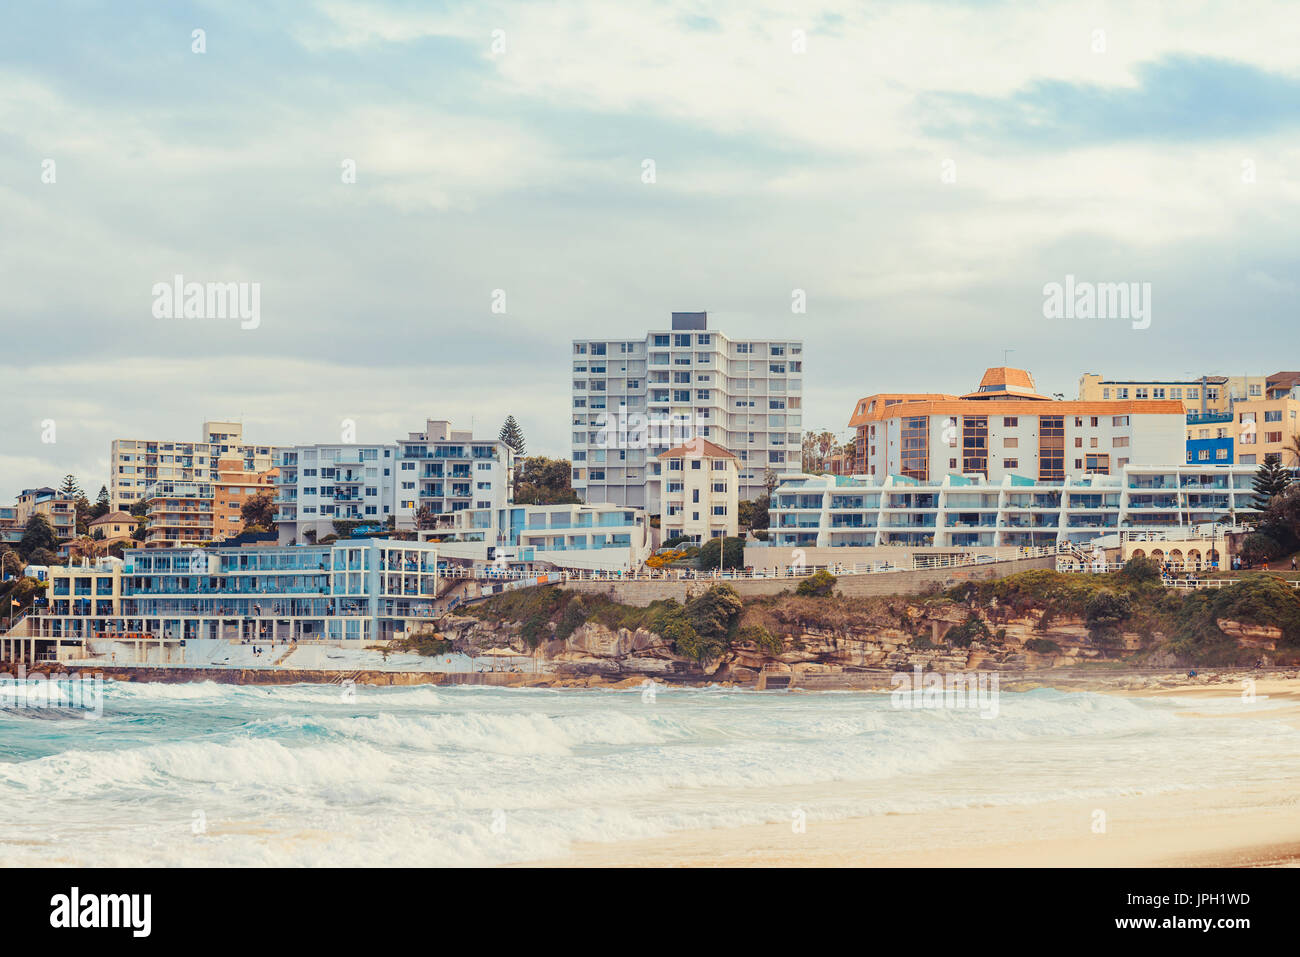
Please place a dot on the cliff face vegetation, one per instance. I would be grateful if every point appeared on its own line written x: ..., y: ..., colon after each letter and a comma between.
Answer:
x: 1037, y: 619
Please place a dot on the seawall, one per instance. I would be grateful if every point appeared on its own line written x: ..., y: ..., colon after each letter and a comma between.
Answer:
x: 911, y: 582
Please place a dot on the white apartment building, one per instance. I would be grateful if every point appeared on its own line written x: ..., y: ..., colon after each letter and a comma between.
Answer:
x: 136, y: 464
x: 818, y: 511
x: 538, y: 538
x: 450, y: 471
x: 321, y: 484
x: 634, y: 399
x: 697, y: 486
x: 445, y: 470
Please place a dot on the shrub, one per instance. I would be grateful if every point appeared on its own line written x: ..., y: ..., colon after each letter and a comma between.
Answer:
x: 1259, y: 549
x: 1042, y: 646
x: 1139, y: 571
x: 972, y: 629
x: 820, y: 584
x: 762, y: 639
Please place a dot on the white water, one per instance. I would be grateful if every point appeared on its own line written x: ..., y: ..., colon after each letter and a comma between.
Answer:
x: 466, y: 776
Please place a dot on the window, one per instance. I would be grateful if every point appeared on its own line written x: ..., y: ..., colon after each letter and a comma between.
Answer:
x: 975, y: 444
x: 1009, y: 443
x: 1011, y: 463
x: 1120, y: 442
x: 914, y: 454
x: 1010, y: 421
x: 1051, y: 448
x: 1119, y: 421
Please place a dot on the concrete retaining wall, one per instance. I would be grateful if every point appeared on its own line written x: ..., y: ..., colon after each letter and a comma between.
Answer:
x: 642, y: 593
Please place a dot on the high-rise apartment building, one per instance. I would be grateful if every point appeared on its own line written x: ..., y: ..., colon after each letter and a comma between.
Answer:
x: 636, y: 398
x: 136, y: 464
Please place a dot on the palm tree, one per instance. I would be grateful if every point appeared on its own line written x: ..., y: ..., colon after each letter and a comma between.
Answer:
x: 1294, y: 448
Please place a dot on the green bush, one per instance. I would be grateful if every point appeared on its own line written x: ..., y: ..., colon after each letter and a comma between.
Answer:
x: 972, y: 629
x: 1042, y: 646
x: 820, y: 584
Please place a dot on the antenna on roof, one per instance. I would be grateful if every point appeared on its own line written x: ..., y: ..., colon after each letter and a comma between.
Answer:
x: 1004, y: 356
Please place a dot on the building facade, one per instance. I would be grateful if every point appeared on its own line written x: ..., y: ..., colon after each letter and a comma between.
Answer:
x: 1005, y: 428
x: 352, y: 590
x: 443, y: 470
x: 600, y: 538
x: 136, y: 464
x: 636, y: 398
x: 236, y: 484
x: 697, y: 487
x: 957, y: 511
x: 59, y: 509
x: 1201, y: 395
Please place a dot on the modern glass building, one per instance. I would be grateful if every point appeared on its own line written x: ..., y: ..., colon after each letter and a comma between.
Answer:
x: 350, y: 590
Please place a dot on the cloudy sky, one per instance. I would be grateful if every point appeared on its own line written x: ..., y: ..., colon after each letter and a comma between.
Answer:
x: 921, y: 170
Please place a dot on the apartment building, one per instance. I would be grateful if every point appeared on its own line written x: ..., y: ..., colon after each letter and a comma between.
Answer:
x: 11, y: 532
x: 445, y: 470
x: 235, y: 485
x: 1268, y: 427
x: 60, y: 510
x: 179, y: 513
x: 353, y: 590
x: 634, y: 399
x: 136, y: 464
x: 697, y: 486
x: 450, y: 471
x: 539, y: 538
x: 1200, y: 395
x: 1006, y: 428
x: 318, y: 485
x: 816, y: 511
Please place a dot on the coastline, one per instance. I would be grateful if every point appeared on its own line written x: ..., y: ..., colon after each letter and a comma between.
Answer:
x: 1182, y: 829
x: 1259, y: 827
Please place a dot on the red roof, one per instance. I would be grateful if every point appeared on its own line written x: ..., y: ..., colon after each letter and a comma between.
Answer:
x: 696, y: 448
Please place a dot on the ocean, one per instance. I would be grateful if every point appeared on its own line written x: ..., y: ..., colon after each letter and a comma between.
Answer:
x: 212, y: 774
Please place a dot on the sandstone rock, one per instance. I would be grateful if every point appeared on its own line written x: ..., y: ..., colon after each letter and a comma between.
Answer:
x: 1251, y: 636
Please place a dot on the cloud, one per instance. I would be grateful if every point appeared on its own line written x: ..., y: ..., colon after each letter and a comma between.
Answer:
x: 1178, y: 98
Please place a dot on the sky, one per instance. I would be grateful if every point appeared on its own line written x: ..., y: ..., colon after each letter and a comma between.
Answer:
x: 920, y: 171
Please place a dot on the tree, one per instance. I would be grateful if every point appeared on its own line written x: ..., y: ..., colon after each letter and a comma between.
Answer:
x: 543, y: 481
x: 81, y: 508
x: 513, y: 436
x: 1271, y: 479
x: 102, y: 505
x: 1293, y: 448
x: 69, y: 487
x: 425, y: 518
x: 37, y: 534
x: 259, y: 511
x: 733, y: 555
x: 43, y: 556
x: 11, y: 563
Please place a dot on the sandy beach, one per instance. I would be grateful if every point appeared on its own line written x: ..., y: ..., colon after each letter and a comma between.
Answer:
x: 1252, y: 827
